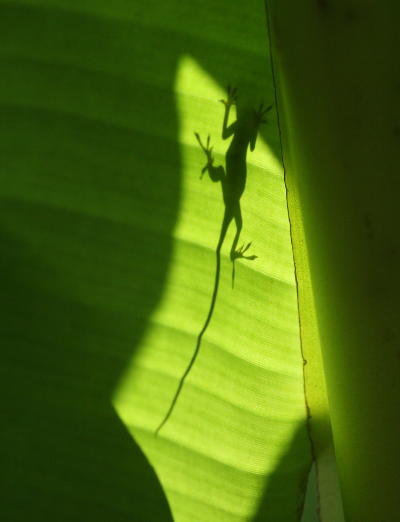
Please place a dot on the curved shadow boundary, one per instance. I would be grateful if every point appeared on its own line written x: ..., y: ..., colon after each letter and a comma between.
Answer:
x: 79, y: 172
x: 280, y: 488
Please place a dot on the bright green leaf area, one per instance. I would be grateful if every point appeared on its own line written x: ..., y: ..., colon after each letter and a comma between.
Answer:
x: 108, y: 266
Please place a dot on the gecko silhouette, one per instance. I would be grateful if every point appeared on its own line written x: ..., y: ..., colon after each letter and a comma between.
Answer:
x: 233, y: 181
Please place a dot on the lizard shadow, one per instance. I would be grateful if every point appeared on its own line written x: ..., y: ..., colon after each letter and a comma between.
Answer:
x: 243, y: 131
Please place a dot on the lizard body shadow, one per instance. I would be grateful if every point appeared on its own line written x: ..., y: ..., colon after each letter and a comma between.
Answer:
x: 233, y: 182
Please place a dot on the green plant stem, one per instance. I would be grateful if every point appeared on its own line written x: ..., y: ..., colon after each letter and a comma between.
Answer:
x: 338, y: 86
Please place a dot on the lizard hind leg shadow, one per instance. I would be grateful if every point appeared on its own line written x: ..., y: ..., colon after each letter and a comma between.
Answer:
x: 239, y: 224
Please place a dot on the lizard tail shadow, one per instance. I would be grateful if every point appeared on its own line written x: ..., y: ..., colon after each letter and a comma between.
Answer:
x: 233, y: 273
x: 224, y: 228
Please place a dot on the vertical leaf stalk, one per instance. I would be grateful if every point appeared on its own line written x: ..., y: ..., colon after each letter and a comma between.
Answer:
x: 338, y: 86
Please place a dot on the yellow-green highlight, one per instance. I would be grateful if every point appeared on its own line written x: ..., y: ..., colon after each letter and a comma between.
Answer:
x: 243, y: 400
